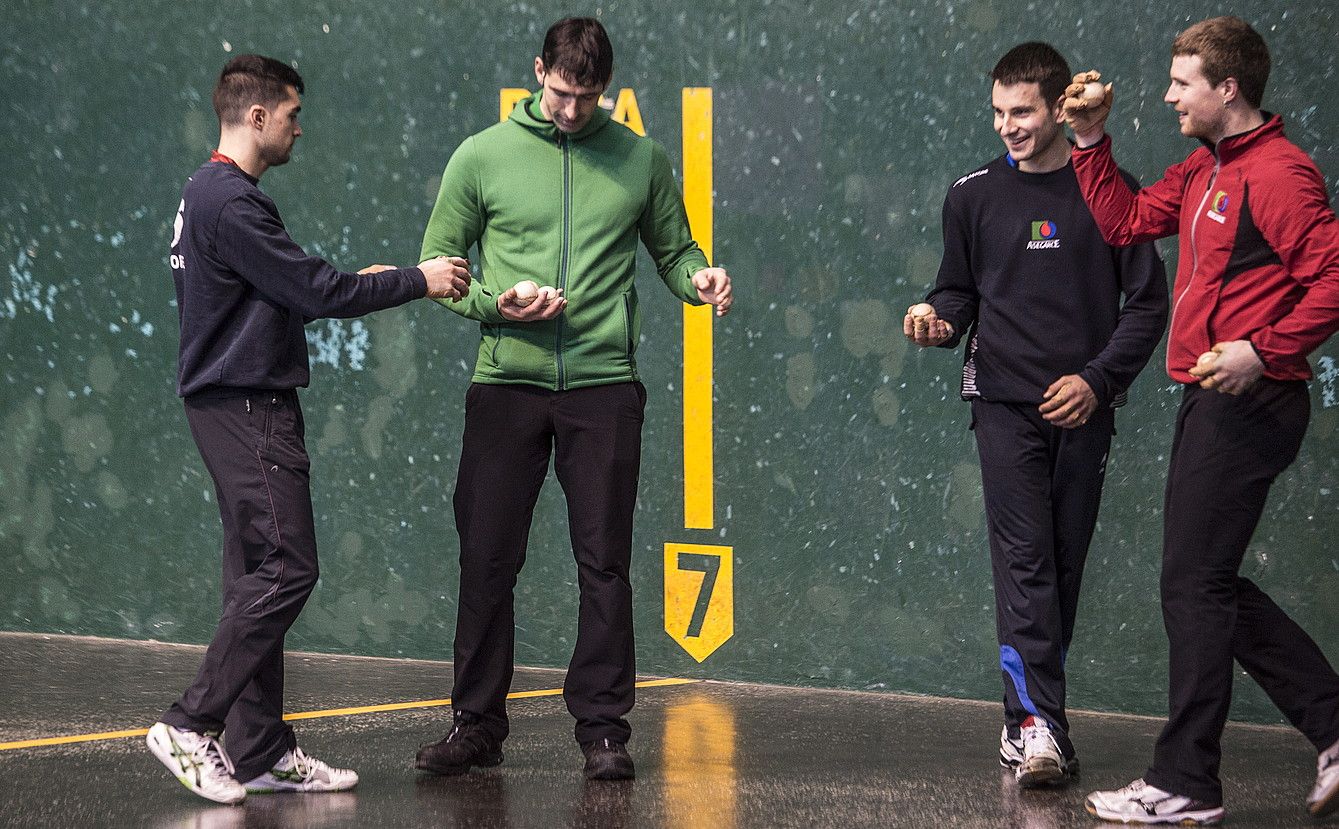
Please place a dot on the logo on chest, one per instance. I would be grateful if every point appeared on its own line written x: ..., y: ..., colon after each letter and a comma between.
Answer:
x: 1218, y: 207
x: 1045, y: 234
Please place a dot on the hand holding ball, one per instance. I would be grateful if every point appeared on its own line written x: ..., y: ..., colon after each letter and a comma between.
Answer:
x: 1087, y: 90
x: 921, y: 313
x: 1087, y: 102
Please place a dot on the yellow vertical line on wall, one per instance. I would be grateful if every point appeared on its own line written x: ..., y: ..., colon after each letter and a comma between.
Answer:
x: 698, y: 484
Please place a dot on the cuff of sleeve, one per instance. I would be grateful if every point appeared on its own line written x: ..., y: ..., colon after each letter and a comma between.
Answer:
x: 483, y: 310
x: 1098, y: 384
x: 689, y: 294
x: 1103, y: 141
x: 1259, y: 355
x: 416, y: 274
x: 955, y: 338
x: 489, y: 309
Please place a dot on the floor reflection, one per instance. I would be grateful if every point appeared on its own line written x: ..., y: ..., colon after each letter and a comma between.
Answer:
x: 477, y: 799
x: 270, y: 811
x: 1041, y: 808
x: 604, y: 804
x: 700, y: 785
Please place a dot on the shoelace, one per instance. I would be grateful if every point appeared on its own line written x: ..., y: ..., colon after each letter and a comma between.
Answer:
x: 210, y: 754
x: 302, y: 764
x: 1135, y: 790
x: 1036, y: 733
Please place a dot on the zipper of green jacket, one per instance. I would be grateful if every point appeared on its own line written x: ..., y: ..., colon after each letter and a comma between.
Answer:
x: 565, y: 145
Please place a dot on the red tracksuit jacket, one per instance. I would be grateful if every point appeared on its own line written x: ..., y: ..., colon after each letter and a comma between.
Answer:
x: 1259, y: 245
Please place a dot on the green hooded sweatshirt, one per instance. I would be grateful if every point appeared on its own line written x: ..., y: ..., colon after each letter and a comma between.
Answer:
x: 567, y: 211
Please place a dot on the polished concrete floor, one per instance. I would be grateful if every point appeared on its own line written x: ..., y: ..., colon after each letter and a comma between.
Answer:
x: 708, y: 754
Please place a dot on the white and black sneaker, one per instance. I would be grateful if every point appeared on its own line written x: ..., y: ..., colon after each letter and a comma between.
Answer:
x: 1324, y: 797
x: 197, y: 760
x: 1042, y: 762
x: 1011, y: 748
x: 1142, y: 803
x: 296, y: 771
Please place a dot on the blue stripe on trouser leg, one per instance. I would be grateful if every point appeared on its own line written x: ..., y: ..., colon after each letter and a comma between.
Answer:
x: 1012, y: 664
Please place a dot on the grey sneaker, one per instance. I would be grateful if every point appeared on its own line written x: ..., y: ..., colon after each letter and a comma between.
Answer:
x: 1142, y: 803
x: 197, y: 760
x: 296, y: 771
x: 1042, y: 763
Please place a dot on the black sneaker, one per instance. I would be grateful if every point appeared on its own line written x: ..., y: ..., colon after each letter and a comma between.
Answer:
x: 607, y: 760
x: 467, y: 744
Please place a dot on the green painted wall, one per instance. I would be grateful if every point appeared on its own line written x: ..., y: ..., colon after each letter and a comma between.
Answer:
x: 847, y: 481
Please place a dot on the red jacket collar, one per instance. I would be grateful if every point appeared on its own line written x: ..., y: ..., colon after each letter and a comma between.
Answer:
x: 1235, y: 146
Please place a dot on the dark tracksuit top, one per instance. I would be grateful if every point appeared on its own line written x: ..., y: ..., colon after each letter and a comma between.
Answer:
x: 1019, y: 269
x: 1027, y: 278
x: 245, y: 289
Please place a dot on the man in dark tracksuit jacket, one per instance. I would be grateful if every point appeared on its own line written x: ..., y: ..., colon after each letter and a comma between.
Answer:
x: 244, y: 290
x: 1257, y: 289
x: 1050, y: 355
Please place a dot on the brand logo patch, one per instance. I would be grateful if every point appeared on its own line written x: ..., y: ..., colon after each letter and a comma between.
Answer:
x: 1218, y: 209
x: 1044, y: 235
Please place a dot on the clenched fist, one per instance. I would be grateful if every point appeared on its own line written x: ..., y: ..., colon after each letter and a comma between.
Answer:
x: 448, y: 277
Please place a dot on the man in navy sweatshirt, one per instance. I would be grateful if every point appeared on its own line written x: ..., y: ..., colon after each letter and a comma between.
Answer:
x: 1057, y: 325
x: 244, y: 291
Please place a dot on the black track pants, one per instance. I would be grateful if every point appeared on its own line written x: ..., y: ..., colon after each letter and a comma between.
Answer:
x: 252, y: 445
x: 594, y: 437
x: 1042, y: 487
x: 1226, y: 453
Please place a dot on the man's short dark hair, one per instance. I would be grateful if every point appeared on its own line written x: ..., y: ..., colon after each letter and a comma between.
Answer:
x: 1037, y: 63
x: 252, y: 79
x: 578, y: 48
x: 1228, y: 48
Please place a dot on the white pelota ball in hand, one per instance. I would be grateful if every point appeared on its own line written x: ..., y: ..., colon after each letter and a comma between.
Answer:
x: 526, y: 292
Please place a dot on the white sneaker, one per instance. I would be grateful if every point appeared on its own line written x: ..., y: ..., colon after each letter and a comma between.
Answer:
x: 1042, y: 761
x: 198, y: 761
x: 297, y: 772
x: 1142, y: 803
x: 1011, y: 749
x: 1324, y: 797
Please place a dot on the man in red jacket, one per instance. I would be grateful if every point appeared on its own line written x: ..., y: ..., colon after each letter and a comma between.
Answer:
x: 1257, y: 289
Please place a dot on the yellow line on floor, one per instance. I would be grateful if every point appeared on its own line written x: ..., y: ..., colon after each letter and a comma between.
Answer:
x: 312, y: 715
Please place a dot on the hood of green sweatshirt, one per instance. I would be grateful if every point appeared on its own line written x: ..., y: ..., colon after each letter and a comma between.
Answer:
x: 528, y: 114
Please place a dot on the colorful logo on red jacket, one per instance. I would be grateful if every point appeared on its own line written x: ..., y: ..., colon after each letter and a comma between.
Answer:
x: 1218, y: 208
x: 1045, y: 234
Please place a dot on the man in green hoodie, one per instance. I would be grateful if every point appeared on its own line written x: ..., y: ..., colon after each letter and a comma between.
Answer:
x: 558, y: 194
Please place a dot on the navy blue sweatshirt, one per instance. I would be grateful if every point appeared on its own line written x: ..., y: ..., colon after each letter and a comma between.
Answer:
x: 245, y: 289
x: 1026, y: 269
